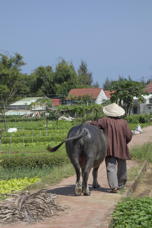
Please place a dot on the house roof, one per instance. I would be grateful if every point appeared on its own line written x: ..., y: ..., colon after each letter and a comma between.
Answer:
x: 26, y: 101
x: 18, y: 112
x: 148, y: 88
x: 92, y: 92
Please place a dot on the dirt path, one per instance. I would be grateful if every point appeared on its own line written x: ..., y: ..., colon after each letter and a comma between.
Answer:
x: 86, y: 211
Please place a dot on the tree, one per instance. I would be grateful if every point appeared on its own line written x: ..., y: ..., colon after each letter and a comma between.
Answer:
x: 65, y: 78
x: 124, y: 92
x: 84, y: 77
x: 107, y: 84
x: 42, y: 81
x: 10, y: 67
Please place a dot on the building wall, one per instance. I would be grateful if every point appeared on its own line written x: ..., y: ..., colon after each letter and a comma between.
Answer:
x: 145, y: 107
x: 101, y: 97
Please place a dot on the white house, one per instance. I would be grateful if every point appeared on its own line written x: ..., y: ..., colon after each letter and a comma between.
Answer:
x: 146, y: 106
x: 23, y: 107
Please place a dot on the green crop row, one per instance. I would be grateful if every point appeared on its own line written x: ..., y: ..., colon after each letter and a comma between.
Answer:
x: 37, y: 125
x: 8, y: 186
x: 34, y: 160
x: 35, y: 132
x: 35, y: 147
x: 25, y: 139
x: 133, y: 213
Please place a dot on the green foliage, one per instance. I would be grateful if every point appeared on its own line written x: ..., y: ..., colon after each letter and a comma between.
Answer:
x: 87, y: 99
x: 140, y: 118
x: 133, y: 213
x: 65, y: 78
x: 29, y: 139
x: 85, y: 112
x: 42, y: 82
x: 8, y: 186
x: 34, y: 124
x: 84, y: 77
x: 142, y: 153
x: 124, y: 92
x: 33, y: 160
x: 107, y: 84
x: 10, y: 78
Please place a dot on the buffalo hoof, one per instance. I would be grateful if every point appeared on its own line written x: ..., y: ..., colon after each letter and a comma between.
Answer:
x: 87, y: 193
x: 96, y: 186
x: 78, y: 190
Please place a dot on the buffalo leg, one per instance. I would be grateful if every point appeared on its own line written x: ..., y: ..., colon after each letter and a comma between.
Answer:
x: 85, y: 187
x: 78, y: 186
x: 95, y: 174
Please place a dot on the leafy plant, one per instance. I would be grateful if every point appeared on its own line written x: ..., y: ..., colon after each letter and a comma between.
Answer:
x: 7, y: 186
x: 133, y: 213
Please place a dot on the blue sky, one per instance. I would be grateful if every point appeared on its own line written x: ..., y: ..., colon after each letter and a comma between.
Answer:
x: 114, y: 37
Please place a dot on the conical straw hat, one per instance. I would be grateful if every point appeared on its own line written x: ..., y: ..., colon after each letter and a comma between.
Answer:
x: 113, y: 110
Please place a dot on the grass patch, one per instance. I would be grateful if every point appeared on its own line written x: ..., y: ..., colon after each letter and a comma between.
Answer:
x: 7, y: 174
x: 47, y: 176
x: 56, y: 174
x: 143, y: 152
x: 133, y: 126
x: 133, y: 172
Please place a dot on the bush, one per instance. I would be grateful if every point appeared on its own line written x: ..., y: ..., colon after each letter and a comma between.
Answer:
x: 133, y: 213
x: 34, y: 160
x: 142, y: 118
x: 81, y: 111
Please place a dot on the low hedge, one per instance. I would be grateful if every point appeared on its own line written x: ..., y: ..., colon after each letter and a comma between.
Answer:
x: 34, y: 160
x: 140, y: 118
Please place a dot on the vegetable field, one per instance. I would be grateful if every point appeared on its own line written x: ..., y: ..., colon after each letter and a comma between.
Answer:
x: 24, y: 158
x: 33, y: 136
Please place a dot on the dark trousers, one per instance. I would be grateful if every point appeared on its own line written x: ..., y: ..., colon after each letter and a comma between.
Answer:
x: 116, y: 172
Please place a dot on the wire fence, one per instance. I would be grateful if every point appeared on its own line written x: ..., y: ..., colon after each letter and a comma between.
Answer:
x: 29, y: 140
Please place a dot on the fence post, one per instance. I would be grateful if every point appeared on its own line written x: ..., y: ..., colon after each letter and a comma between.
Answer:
x: 32, y: 135
x: 10, y: 143
x: 0, y: 143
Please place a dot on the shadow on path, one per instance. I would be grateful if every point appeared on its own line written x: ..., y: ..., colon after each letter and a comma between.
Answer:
x: 69, y: 190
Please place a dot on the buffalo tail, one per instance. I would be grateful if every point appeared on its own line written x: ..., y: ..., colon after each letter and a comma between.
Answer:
x: 50, y: 149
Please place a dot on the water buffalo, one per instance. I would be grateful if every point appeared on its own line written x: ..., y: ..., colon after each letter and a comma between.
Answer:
x: 86, y: 148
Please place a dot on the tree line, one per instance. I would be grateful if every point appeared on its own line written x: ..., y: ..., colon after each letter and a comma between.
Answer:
x: 49, y: 82
x: 43, y: 81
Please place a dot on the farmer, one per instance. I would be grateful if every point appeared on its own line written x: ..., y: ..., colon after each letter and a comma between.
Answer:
x: 118, y: 136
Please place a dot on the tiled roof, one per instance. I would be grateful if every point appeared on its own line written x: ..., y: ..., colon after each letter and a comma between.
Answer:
x: 93, y: 92
x: 149, y: 88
